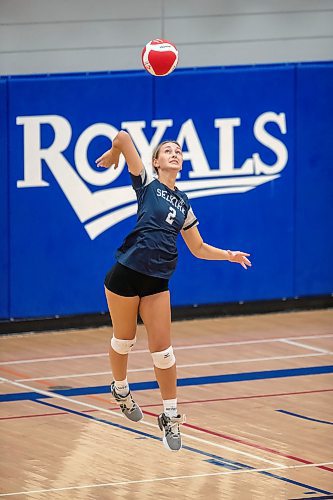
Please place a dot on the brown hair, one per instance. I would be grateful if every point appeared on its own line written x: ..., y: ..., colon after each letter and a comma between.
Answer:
x: 157, y: 151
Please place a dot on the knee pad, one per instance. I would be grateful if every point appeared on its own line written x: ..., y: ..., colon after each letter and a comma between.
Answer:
x: 164, y: 359
x: 122, y: 346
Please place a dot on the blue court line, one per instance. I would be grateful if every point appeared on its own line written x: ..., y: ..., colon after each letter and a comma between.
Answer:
x: 223, y: 464
x: 328, y: 497
x: 270, y: 474
x: 217, y: 460
x: 305, y: 418
x: 182, y: 382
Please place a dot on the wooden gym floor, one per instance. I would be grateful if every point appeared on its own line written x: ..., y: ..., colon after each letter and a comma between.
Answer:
x: 257, y: 392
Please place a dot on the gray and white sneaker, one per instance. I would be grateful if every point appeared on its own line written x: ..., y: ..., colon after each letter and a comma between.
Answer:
x: 170, y: 426
x: 127, y: 405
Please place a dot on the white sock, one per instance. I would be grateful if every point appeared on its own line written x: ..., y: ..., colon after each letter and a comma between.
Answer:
x: 170, y: 407
x: 122, y: 387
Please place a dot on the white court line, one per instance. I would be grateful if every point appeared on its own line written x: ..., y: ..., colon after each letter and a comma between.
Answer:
x: 304, y: 346
x: 150, y: 369
x: 115, y: 414
x: 168, y: 478
x: 59, y: 358
x: 140, y: 351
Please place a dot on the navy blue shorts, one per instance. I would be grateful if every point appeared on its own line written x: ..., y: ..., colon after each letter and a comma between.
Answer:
x: 129, y: 283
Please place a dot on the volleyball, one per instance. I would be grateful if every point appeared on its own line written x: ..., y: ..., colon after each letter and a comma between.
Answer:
x: 159, y: 57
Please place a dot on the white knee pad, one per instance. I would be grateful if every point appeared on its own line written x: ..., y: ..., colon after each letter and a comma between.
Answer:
x: 164, y: 359
x: 122, y: 346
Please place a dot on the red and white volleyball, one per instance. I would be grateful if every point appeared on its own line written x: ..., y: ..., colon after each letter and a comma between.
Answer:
x: 159, y: 57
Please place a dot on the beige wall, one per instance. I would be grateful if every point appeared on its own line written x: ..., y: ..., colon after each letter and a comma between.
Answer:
x: 52, y: 36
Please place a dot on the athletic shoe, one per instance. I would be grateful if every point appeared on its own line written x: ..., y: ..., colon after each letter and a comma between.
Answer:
x: 170, y: 426
x: 127, y: 405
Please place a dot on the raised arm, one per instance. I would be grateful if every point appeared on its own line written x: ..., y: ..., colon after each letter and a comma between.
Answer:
x: 202, y: 250
x: 122, y: 143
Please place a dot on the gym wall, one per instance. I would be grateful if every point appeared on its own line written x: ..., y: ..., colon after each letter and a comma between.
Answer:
x: 258, y: 171
x: 43, y: 36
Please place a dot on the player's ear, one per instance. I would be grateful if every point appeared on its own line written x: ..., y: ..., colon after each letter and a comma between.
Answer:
x: 155, y: 163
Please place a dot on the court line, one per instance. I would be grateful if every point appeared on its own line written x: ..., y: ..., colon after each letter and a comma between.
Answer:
x: 304, y: 346
x: 329, y: 497
x: 180, y: 403
x: 167, y: 478
x: 287, y: 480
x: 245, y: 442
x: 113, y: 413
x: 150, y: 369
x: 304, y: 417
x: 181, y: 382
x: 140, y: 351
x: 222, y: 461
x: 18, y: 374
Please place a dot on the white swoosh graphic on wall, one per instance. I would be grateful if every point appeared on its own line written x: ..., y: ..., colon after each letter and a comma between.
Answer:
x: 195, y: 189
x: 251, y: 180
x: 87, y: 205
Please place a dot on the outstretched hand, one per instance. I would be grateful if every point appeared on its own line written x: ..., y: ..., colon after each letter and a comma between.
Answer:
x: 240, y: 258
x: 109, y: 158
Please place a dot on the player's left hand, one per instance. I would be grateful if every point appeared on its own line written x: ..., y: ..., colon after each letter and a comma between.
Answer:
x: 240, y: 258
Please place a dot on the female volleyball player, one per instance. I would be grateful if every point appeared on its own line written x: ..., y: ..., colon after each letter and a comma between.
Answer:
x: 138, y: 282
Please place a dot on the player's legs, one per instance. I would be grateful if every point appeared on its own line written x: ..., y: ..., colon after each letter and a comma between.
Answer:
x: 123, y: 312
x: 155, y: 312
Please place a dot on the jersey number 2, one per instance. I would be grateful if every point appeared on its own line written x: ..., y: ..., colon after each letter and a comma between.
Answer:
x: 171, y: 215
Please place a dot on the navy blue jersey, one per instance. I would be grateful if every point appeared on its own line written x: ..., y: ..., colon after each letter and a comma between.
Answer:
x: 151, y: 247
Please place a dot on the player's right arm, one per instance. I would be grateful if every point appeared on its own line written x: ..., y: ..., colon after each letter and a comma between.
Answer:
x: 122, y: 143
